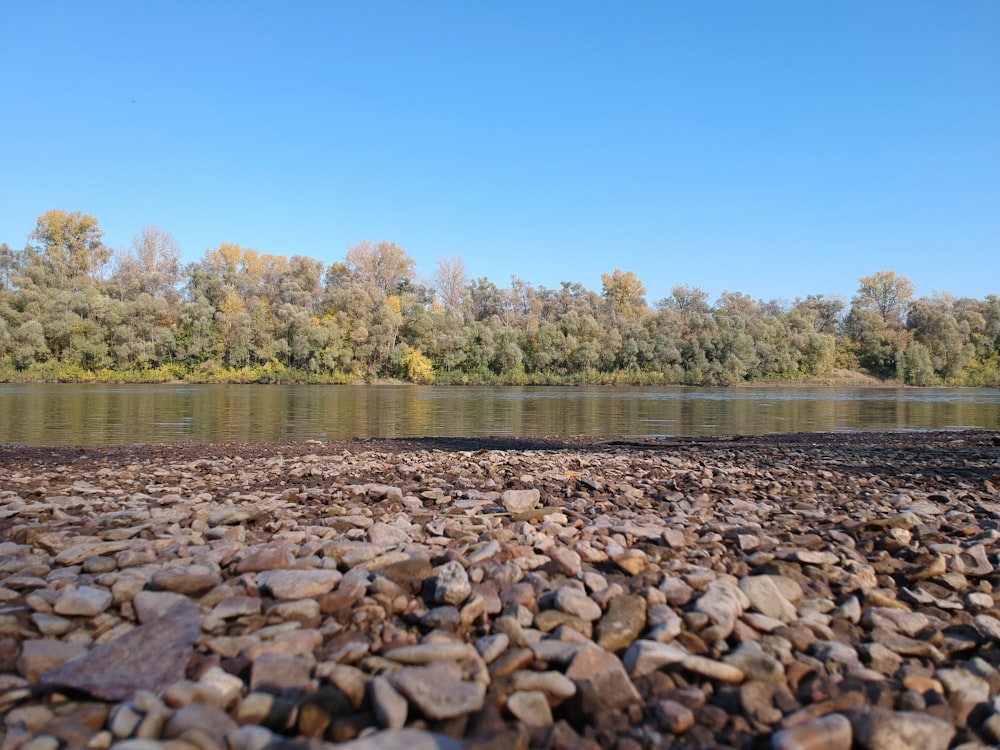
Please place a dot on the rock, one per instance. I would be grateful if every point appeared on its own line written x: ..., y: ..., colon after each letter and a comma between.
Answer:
x: 757, y: 699
x: 236, y: 606
x: 383, y: 534
x: 830, y: 732
x: 409, y: 573
x: 566, y: 562
x: 530, y: 707
x: 273, y: 673
x: 250, y: 738
x: 677, y: 591
x: 151, y: 606
x: 193, y: 580
x: 573, y: 601
x: 713, y: 669
x: 262, y: 557
x: 44, y: 654
x: 390, y: 708
x: 988, y: 625
x: 633, y: 561
x: 199, y: 725
x: 780, y: 590
x: 320, y: 709
x: 77, y: 553
x: 879, y: 729
x: 973, y: 561
x: 765, y: 597
x: 305, y: 611
x: 849, y: 610
x: 451, y: 585
x: 298, y: 584
x: 84, y: 601
x: 425, y: 653
x: 142, y: 717
x: 811, y: 557
x: 150, y: 657
x: 490, y: 647
x: 556, y: 686
x: 645, y: 657
x: 622, y: 623
x: 235, y: 514
x: 439, y: 693
x: 601, y: 680
x: 723, y: 602
x: 226, y: 686
x: 755, y: 663
x: 402, y: 739
x: 50, y: 625
x: 520, y: 501
x: 675, y: 717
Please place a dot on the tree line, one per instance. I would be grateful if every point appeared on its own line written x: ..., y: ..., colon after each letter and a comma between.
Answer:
x: 71, y: 308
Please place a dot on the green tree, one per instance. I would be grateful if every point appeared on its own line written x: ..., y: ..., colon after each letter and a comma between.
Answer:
x: 29, y: 344
x: 914, y: 365
x: 945, y: 338
x: 823, y: 312
x: 685, y: 298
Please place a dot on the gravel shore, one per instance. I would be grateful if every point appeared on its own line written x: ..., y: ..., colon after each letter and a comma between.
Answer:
x: 828, y: 591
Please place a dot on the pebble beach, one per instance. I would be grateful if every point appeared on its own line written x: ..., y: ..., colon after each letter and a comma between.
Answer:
x: 830, y: 591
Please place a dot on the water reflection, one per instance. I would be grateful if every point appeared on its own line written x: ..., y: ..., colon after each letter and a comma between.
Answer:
x: 108, y: 415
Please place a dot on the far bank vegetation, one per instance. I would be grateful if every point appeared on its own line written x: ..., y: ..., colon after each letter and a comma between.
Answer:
x: 71, y: 309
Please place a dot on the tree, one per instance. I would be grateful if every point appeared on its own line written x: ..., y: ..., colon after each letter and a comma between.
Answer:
x: 623, y: 292
x: 71, y: 244
x: 29, y: 344
x: 945, y: 339
x: 9, y: 262
x: 417, y: 367
x: 738, y: 305
x: 451, y: 282
x: 686, y: 299
x: 886, y: 294
x: 151, y: 266
x: 824, y: 312
x: 383, y: 265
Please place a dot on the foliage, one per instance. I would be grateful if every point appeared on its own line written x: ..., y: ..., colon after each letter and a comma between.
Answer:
x: 70, y: 310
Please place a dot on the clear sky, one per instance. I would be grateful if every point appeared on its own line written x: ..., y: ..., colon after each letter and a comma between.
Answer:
x: 776, y: 147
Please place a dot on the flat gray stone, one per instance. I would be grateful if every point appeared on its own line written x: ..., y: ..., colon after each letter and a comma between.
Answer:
x: 150, y: 657
x: 85, y: 601
x: 402, y: 739
x: 438, y: 693
x: 879, y: 729
x: 299, y: 584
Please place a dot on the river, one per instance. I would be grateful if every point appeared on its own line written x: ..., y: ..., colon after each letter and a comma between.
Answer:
x: 68, y: 414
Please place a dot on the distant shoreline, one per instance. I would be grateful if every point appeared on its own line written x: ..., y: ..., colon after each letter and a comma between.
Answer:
x: 835, y: 379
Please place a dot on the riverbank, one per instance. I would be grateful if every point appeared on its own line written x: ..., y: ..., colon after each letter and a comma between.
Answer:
x: 555, y: 593
x: 272, y: 375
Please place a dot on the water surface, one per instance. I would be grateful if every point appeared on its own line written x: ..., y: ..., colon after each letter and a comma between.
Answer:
x: 69, y: 414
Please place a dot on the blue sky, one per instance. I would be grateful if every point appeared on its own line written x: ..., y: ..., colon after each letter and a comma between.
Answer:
x: 775, y: 148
